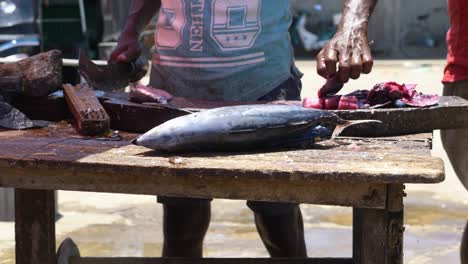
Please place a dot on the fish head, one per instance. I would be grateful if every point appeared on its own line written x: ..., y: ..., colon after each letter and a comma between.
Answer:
x: 159, y: 138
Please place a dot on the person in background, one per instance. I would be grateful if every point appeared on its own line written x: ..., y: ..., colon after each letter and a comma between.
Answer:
x: 455, y: 141
x: 237, y: 51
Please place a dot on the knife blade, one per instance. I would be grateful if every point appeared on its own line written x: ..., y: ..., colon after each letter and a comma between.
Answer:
x: 330, y: 88
x: 113, y: 76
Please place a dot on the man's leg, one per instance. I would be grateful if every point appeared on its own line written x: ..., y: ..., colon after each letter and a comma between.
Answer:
x: 464, y: 246
x: 280, y: 227
x: 455, y: 142
x: 185, y: 223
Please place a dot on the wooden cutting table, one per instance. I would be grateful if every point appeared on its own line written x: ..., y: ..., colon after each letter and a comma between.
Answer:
x: 363, y: 173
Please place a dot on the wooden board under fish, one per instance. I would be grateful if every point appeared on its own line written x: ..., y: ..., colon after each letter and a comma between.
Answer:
x: 451, y: 112
x: 356, y: 171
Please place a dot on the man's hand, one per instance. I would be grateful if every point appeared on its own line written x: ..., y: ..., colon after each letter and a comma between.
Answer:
x: 352, y: 53
x: 349, y: 47
x: 141, y: 12
x: 127, y: 49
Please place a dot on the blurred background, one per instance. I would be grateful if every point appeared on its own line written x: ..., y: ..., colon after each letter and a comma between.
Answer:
x: 397, y: 30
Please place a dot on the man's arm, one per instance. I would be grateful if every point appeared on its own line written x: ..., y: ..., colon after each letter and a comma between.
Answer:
x: 349, y: 46
x: 141, y: 12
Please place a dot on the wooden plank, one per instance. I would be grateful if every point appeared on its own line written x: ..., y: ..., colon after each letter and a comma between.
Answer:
x: 341, y: 162
x: 35, y: 226
x: 90, y: 117
x: 50, y: 108
x: 89, y: 260
x: 378, y: 233
x: 395, y: 121
x: 308, y: 165
x: 7, y: 204
x: 194, y: 185
x: 395, y: 227
x: 128, y: 116
x: 369, y: 236
x: 421, y: 137
x: 347, y: 172
x: 451, y: 112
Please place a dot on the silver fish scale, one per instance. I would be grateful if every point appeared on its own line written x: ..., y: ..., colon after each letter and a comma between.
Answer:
x: 275, y: 115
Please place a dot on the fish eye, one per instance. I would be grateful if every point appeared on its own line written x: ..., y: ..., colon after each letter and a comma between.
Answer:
x: 166, y: 137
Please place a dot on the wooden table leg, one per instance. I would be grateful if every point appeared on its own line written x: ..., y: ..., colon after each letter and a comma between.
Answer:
x: 35, y: 226
x: 378, y: 233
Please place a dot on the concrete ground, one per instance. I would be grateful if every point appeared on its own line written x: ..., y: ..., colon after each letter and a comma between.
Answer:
x: 130, y: 225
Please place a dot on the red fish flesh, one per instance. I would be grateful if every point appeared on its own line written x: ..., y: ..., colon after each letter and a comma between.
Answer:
x: 146, y: 94
x: 387, y: 94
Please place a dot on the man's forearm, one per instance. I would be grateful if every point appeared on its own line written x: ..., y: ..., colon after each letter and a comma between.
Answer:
x: 140, y: 14
x: 349, y: 48
x: 356, y: 15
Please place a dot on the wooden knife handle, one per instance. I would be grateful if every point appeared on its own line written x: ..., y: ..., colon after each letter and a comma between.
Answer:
x: 91, y: 118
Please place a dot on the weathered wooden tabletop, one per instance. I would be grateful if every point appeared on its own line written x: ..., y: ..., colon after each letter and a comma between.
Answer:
x: 57, y: 158
x: 366, y: 174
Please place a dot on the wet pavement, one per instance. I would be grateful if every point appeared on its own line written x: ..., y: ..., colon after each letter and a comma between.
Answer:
x: 130, y: 225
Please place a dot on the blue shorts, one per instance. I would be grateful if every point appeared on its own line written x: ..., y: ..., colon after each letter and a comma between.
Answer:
x: 288, y: 90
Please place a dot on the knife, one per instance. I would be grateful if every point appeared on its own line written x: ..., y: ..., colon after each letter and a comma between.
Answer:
x: 113, y: 76
x: 330, y: 88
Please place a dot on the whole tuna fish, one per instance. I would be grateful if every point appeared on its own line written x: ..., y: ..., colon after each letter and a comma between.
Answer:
x: 238, y: 128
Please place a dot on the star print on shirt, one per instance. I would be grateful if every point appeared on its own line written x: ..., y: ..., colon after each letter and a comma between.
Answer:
x: 168, y: 17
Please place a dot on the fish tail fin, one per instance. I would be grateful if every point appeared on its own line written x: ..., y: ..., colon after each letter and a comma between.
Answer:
x: 134, y: 141
x: 347, y: 123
